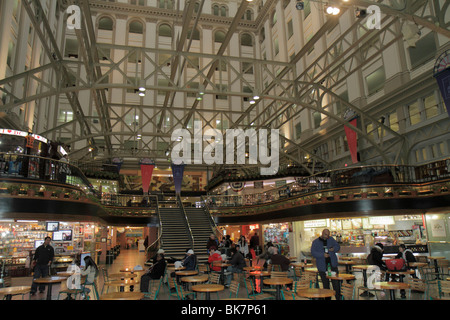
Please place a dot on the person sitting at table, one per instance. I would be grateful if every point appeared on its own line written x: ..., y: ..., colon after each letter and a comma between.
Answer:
x: 91, y: 271
x: 281, y: 260
x: 375, y: 257
x: 237, y: 265
x: 190, y: 262
x: 156, y: 271
x: 324, y: 249
x: 214, y: 256
x: 408, y: 256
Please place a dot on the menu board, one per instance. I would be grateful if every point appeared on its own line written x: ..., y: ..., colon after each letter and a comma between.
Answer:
x: 366, y: 224
x: 356, y: 223
x: 346, y: 224
x: 336, y: 224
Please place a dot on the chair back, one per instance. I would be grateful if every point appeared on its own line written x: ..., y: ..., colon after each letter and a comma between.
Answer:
x: 417, y: 284
x: 203, y: 268
x: 347, y: 291
x: 309, y: 278
x: 105, y: 275
x: 153, y: 288
x: 444, y: 288
x: 214, y: 278
x: 234, y: 288
x: 249, y: 287
x: 279, y: 274
x: 298, y: 272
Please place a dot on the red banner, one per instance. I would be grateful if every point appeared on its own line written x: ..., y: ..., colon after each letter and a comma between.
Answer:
x: 352, y: 140
x: 146, y: 172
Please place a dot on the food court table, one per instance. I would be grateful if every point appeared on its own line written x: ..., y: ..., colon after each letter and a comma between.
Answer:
x: 364, y: 268
x: 436, y: 267
x: 257, y: 275
x: 315, y: 293
x: 122, y: 296
x: 194, y: 279
x: 391, y: 286
x: 341, y: 278
x: 301, y: 265
x: 49, y: 281
x: 123, y: 283
x: 12, y: 291
x: 348, y: 265
x: 207, y: 289
x: 278, y: 283
x: 222, y: 266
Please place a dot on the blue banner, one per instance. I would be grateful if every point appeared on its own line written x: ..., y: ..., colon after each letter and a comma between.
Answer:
x: 443, y: 80
x: 177, y: 171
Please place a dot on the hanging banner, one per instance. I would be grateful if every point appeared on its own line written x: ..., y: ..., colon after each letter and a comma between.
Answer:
x: 146, y: 171
x: 177, y: 172
x: 352, y: 138
x: 443, y: 80
x: 118, y: 163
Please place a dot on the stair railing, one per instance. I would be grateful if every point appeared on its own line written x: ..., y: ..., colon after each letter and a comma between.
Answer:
x: 157, y: 243
x: 214, y: 227
x: 180, y: 203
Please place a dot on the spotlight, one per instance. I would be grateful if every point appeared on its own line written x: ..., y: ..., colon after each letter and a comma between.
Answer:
x: 142, y: 94
x: 334, y: 11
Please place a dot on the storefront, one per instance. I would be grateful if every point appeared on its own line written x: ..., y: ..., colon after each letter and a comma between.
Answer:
x: 20, y: 238
x: 357, y: 235
x: 278, y: 234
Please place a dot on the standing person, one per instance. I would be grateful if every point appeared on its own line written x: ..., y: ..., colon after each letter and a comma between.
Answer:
x: 228, y: 241
x: 324, y: 249
x: 63, y: 169
x: 237, y: 265
x: 146, y: 243
x: 42, y: 260
x: 212, y: 242
x: 254, y: 241
x: 243, y: 245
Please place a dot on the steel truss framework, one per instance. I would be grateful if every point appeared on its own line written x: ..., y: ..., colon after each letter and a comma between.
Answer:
x: 285, y: 89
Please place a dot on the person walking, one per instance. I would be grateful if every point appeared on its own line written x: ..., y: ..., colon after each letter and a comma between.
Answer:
x: 42, y: 260
x: 324, y: 249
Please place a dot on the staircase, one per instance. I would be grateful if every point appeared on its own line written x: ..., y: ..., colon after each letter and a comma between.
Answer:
x: 175, y: 236
x: 201, y: 229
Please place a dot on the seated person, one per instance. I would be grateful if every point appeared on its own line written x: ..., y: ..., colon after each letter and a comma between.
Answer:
x: 154, y: 272
x: 190, y: 262
x: 214, y: 256
x: 237, y: 265
x: 283, y: 261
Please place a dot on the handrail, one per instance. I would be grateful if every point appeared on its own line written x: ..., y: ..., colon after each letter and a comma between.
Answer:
x: 214, y: 226
x: 157, y: 242
x: 186, y: 220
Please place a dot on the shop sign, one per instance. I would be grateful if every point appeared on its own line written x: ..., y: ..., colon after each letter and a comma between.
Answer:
x: 315, y: 223
x: 14, y: 132
x: 388, y: 220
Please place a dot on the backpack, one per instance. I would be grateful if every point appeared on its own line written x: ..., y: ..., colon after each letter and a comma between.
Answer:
x: 395, y: 264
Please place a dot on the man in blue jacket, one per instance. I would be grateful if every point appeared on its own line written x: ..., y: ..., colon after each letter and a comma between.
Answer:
x: 324, y: 249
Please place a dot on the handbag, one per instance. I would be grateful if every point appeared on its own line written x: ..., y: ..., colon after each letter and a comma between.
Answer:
x: 395, y: 264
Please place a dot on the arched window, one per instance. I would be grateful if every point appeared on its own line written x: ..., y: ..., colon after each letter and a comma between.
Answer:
x: 215, y: 10
x: 195, y: 36
x: 246, y: 40
x: 136, y: 27
x: 165, y: 30
x: 219, y: 36
x: 223, y: 11
x: 105, y: 23
x: 249, y: 15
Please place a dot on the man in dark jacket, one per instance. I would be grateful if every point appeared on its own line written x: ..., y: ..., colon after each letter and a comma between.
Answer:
x: 237, y: 265
x: 155, y: 272
x: 42, y: 260
x: 190, y: 262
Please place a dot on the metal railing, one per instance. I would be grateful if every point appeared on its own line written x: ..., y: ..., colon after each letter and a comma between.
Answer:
x: 180, y: 205
x: 154, y: 247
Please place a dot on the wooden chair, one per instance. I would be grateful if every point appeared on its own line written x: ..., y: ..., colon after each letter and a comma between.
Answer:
x: 417, y: 285
x: 275, y: 274
x: 203, y: 268
x: 182, y: 294
x: 443, y: 266
x: 94, y: 286
x: 234, y: 288
x: 106, y: 280
x: 214, y: 278
x: 310, y: 278
x: 252, y: 294
x: 298, y: 273
x: 173, y: 292
x: 444, y: 289
x: 296, y: 285
x: 347, y: 291
x: 153, y: 289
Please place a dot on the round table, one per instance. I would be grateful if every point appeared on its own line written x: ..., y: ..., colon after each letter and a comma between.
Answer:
x: 301, y: 265
x: 417, y: 264
x: 364, y: 268
x: 391, y: 286
x: 12, y: 291
x: 122, y: 275
x: 315, y: 293
x: 278, y: 283
x: 123, y: 283
x: 49, y: 281
x: 436, y: 267
x: 122, y: 296
x: 131, y: 270
x: 222, y: 266
x: 348, y: 265
x: 207, y: 289
x: 195, y: 279
x: 341, y: 278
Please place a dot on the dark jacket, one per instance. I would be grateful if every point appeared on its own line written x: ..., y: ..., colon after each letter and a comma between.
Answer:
x: 238, y: 261
x: 211, y: 243
x: 318, y: 251
x: 375, y: 258
x: 44, y: 255
x: 190, y: 262
x: 407, y: 255
x: 279, y: 259
x: 158, y: 269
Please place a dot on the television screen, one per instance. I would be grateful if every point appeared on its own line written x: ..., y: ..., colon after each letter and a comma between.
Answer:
x: 84, y: 255
x: 62, y: 235
x: 38, y: 243
x: 52, y: 226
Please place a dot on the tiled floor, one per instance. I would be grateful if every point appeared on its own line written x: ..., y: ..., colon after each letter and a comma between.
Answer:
x: 132, y: 257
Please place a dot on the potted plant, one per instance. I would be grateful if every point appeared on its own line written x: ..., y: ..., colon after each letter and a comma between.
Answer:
x: 60, y: 194
x: 32, y: 189
x: 13, y: 189
x: 74, y: 195
x: 47, y: 193
x: 436, y: 189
